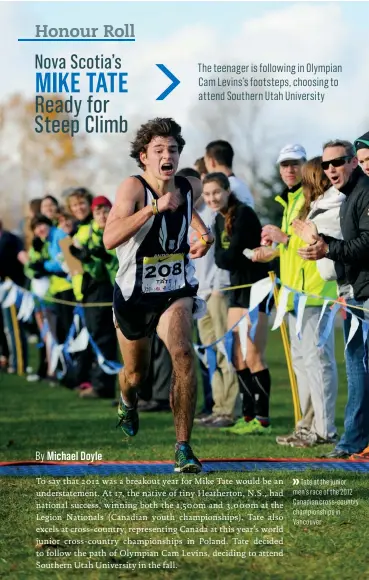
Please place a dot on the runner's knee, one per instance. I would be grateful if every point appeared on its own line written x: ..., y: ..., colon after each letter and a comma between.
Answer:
x: 182, y: 356
x: 135, y: 378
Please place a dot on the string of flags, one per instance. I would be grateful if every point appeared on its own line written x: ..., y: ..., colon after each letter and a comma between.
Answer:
x: 79, y: 338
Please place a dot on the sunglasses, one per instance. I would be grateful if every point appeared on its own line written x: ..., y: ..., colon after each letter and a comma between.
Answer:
x: 338, y: 162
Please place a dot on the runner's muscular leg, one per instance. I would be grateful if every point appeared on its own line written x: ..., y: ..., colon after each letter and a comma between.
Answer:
x: 136, y: 359
x: 175, y: 330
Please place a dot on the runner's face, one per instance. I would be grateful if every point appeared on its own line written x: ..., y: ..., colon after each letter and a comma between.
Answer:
x: 42, y: 231
x: 363, y: 157
x: 101, y: 215
x: 161, y: 158
x: 290, y: 171
x: 49, y: 209
x: 79, y: 207
x: 215, y: 196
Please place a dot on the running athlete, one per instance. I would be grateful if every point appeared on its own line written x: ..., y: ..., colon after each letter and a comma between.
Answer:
x: 155, y: 288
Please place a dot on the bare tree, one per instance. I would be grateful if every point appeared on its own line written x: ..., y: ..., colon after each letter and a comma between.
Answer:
x: 241, y: 123
x: 33, y: 163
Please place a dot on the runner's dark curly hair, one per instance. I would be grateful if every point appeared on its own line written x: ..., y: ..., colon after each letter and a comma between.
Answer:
x: 159, y: 127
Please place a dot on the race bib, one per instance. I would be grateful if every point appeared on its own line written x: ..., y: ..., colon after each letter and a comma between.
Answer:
x: 163, y: 273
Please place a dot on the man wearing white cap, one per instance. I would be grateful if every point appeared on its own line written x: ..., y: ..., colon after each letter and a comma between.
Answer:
x: 315, y: 367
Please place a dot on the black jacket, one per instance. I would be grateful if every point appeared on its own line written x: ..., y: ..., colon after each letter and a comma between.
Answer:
x: 10, y: 267
x: 246, y: 233
x: 353, y: 251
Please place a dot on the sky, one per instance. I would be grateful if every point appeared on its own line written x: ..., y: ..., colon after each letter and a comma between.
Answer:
x: 181, y: 34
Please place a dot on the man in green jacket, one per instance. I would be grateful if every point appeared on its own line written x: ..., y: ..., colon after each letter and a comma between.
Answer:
x: 315, y: 367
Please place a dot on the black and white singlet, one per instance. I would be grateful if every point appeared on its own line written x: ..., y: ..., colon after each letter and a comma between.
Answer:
x: 154, y: 265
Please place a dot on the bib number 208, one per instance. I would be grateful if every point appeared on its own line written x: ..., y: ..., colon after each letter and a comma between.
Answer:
x: 163, y: 273
x: 163, y: 270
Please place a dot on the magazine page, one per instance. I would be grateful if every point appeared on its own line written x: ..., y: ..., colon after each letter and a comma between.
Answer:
x: 184, y: 290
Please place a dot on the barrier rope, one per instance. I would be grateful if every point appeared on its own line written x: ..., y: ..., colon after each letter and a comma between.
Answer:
x: 105, y: 304
x: 224, y: 289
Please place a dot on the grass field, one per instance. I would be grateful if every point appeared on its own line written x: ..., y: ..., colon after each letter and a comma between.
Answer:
x: 35, y: 417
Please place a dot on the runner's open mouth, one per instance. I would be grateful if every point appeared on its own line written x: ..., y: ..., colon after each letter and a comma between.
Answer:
x: 167, y: 167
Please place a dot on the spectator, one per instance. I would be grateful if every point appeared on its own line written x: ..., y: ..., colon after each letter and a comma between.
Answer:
x: 340, y: 164
x: 315, y: 367
x: 79, y: 206
x: 66, y: 223
x: 208, y: 402
x: 46, y: 261
x: 213, y: 325
x: 154, y: 396
x: 32, y: 326
x: 100, y: 267
x: 12, y: 259
x: 33, y: 209
x: 362, y: 152
x: 200, y: 167
x: 237, y: 228
x: 50, y: 208
x: 320, y: 212
x: 321, y: 209
x: 4, y: 349
x: 219, y: 158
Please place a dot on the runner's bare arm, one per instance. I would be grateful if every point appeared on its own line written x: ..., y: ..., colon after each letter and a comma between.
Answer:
x: 123, y: 220
x: 198, y: 225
